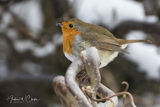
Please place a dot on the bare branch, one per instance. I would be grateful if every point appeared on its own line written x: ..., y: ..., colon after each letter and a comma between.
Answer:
x: 70, y: 77
x: 92, y: 62
x: 71, y: 87
x: 67, y: 98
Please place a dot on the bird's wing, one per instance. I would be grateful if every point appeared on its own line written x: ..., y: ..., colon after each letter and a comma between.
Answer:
x: 102, y: 42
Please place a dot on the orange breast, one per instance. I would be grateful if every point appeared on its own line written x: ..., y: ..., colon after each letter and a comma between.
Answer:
x: 68, y: 39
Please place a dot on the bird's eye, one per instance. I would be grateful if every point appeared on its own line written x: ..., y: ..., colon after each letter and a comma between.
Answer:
x: 70, y: 25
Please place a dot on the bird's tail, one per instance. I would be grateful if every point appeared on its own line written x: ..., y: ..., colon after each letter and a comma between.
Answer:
x: 123, y: 41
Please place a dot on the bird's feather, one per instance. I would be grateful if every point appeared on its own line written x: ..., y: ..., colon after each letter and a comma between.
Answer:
x: 102, y: 42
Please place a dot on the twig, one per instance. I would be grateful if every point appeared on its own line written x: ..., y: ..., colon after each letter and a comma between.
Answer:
x: 99, y: 100
x: 103, y: 91
x: 127, y: 85
x: 118, y: 94
x: 124, y: 96
x: 130, y: 95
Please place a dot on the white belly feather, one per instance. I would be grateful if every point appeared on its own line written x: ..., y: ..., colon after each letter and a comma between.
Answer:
x: 105, y: 56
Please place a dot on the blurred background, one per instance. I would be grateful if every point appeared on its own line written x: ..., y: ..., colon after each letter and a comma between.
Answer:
x: 31, y: 47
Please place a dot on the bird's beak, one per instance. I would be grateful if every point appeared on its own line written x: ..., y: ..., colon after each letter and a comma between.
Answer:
x: 59, y: 24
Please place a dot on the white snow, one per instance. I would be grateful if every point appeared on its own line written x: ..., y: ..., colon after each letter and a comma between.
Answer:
x: 32, y: 68
x: 23, y: 45
x: 12, y: 34
x: 145, y: 55
x: 44, y: 51
x: 4, y: 71
x: 151, y: 19
x: 30, y: 12
x: 108, y: 12
x: 57, y: 39
x: 49, y: 48
x: 39, y: 51
x: 6, y: 17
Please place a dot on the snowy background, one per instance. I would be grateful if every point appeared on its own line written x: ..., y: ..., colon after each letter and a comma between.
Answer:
x: 31, y: 44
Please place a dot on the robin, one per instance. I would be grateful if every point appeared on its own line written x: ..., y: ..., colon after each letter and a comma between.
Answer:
x: 79, y: 35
